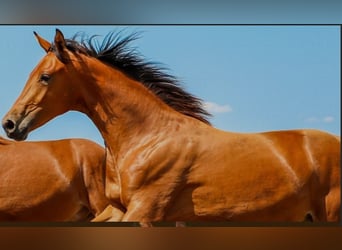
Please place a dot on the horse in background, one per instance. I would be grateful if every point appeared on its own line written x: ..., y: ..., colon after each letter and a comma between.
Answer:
x: 50, y: 181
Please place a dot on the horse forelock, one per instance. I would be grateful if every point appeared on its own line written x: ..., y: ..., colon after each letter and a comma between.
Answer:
x: 114, y: 50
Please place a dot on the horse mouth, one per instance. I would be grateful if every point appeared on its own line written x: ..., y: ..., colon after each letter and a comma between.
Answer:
x: 18, y: 135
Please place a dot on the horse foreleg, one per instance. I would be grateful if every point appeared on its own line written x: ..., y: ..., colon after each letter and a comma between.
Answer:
x: 110, y: 213
x: 145, y: 221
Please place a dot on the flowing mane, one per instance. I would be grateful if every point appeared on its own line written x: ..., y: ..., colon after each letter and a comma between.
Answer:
x: 114, y: 51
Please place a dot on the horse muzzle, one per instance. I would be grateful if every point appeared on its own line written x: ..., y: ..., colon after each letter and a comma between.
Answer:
x: 17, y: 130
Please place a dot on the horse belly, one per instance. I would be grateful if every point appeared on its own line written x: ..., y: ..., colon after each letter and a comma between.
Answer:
x: 252, y: 192
x: 215, y: 205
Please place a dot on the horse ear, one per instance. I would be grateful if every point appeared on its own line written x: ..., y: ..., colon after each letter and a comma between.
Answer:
x: 59, y: 40
x: 61, y: 48
x: 42, y: 42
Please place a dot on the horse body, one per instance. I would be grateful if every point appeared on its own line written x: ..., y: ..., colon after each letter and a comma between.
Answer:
x: 166, y: 164
x: 218, y: 176
x: 51, y: 180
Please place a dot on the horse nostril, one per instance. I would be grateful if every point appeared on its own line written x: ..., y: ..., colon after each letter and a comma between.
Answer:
x: 8, y: 125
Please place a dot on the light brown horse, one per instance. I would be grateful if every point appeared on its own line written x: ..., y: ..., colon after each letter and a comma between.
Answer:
x: 51, y: 180
x: 168, y: 162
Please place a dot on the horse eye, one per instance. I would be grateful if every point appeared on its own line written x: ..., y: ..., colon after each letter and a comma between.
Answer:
x: 44, y: 78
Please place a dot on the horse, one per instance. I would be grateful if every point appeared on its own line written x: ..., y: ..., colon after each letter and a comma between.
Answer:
x: 52, y: 181
x: 168, y: 162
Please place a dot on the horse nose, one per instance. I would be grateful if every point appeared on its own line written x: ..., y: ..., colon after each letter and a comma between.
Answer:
x: 8, y: 125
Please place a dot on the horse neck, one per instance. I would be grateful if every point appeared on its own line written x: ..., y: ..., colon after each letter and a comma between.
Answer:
x: 122, y: 109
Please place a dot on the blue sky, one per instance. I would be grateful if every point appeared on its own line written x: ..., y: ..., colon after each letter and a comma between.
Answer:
x: 252, y: 78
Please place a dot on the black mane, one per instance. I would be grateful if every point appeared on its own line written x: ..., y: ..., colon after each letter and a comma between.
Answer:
x: 114, y: 51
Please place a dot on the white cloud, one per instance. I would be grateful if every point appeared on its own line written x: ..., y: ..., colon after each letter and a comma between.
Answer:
x: 217, y: 108
x: 326, y: 119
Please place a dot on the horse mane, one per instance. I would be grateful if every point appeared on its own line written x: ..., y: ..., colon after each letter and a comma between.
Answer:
x: 115, y: 52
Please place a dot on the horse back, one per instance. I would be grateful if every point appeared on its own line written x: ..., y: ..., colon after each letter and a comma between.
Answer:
x: 310, y: 151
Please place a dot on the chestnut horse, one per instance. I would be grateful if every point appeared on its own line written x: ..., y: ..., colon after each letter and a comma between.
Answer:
x: 169, y: 164
x: 51, y: 180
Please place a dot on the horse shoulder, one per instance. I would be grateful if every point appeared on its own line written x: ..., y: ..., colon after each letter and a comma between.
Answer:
x: 90, y: 158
